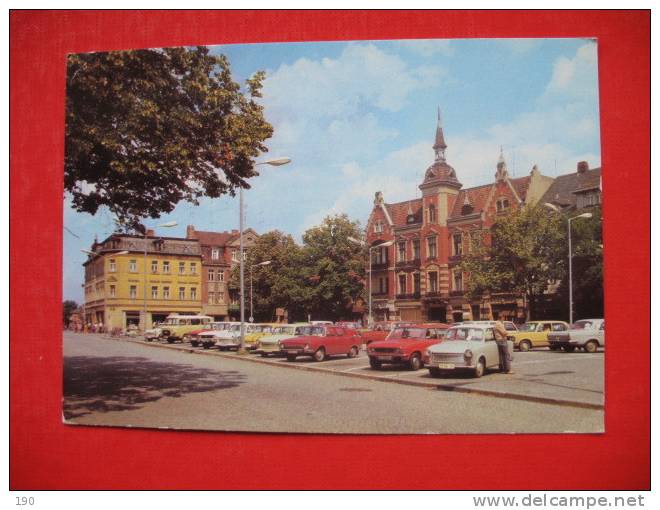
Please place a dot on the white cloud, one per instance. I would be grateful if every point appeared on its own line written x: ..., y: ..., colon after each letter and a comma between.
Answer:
x: 429, y: 47
x: 520, y: 46
x: 577, y: 76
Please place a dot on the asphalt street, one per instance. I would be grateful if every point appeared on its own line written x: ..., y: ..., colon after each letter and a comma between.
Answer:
x: 126, y: 383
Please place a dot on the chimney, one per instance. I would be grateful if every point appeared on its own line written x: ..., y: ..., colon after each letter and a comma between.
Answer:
x: 582, y: 167
x: 190, y: 232
x: 150, y: 232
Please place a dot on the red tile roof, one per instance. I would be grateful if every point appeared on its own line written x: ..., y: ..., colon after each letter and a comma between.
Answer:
x: 477, y: 198
x: 215, y: 238
x: 521, y: 185
x: 399, y: 211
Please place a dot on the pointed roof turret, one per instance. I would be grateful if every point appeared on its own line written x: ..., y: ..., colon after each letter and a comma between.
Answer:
x: 440, y: 173
x: 502, y: 172
x: 439, y: 146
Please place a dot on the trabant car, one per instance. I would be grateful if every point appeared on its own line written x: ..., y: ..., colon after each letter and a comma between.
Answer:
x: 535, y: 334
x: 319, y: 342
x: 176, y: 326
x: 587, y: 334
x: 467, y: 347
x: 195, y: 337
x: 230, y: 338
x: 406, y: 345
x: 269, y: 344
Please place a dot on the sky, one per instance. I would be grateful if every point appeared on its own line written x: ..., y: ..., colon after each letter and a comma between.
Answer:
x: 360, y: 117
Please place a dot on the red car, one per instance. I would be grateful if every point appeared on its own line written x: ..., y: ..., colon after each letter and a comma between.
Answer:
x: 380, y: 330
x: 319, y: 342
x: 406, y: 345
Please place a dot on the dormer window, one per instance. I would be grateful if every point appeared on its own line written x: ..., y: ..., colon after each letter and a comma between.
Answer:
x: 467, y: 209
x: 502, y: 204
x: 411, y: 218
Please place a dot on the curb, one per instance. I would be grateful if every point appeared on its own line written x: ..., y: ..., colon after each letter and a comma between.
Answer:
x: 406, y: 382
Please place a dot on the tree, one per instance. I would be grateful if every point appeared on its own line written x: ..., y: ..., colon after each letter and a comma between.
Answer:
x: 334, y: 266
x: 146, y: 129
x: 68, y: 307
x: 527, y: 251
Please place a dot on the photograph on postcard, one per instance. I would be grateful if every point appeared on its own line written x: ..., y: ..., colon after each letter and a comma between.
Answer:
x: 360, y: 237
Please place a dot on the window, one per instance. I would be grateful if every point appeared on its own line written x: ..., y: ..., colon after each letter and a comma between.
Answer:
x: 221, y: 297
x: 558, y: 326
x: 166, y: 293
x: 211, y: 275
x: 433, y: 281
x: 382, y: 285
x: 193, y: 268
x: 154, y: 292
x: 402, y: 284
x: 458, y: 281
x: 432, y: 215
x: 133, y: 292
x: 402, y: 251
x: 182, y: 268
x: 416, y: 283
x: 113, y: 291
x: 211, y: 297
x: 166, y: 267
x: 234, y: 255
x: 458, y: 243
x: 193, y: 293
x: 221, y: 276
x: 154, y: 266
x: 182, y: 293
x: 215, y: 253
x: 432, y: 243
x: 132, y: 266
x: 378, y: 227
x: 380, y: 255
x: 502, y: 204
x: 416, y: 249
x: 113, y: 266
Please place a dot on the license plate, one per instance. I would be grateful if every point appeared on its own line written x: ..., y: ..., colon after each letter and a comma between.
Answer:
x: 446, y: 365
x: 386, y: 358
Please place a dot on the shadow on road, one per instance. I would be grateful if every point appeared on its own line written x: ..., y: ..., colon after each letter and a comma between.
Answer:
x: 120, y: 383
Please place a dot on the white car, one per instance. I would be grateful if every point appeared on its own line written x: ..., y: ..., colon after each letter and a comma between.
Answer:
x: 467, y: 347
x: 587, y: 334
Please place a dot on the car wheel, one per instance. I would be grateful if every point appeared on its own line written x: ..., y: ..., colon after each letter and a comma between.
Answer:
x: 353, y: 352
x: 591, y: 346
x: 291, y: 357
x: 480, y: 368
x: 194, y: 343
x: 207, y: 345
x: 415, y: 362
x: 569, y: 348
x: 319, y: 355
x: 435, y: 372
x: 170, y: 340
x: 553, y: 347
x: 525, y: 345
x: 375, y: 364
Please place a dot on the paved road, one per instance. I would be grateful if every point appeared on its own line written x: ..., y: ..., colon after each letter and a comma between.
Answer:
x: 115, y: 382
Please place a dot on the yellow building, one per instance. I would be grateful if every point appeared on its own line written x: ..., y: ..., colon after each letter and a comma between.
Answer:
x: 128, y: 275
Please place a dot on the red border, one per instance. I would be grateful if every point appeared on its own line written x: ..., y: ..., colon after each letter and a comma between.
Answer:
x: 47, y: 455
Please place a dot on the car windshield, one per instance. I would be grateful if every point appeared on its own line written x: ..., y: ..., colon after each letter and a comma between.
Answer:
x: 465, y: 334
x: 309, y: 330
x: 235, y: 327
x: 400, y: 333
x: 284, y: 330
x: 530, y: 326
x: 581, y: 325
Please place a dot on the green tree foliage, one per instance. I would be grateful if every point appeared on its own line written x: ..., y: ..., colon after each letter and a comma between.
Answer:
x: 527, y: 250
x: 68, y: 307
x: 146, y: 129
x: 334, y: 266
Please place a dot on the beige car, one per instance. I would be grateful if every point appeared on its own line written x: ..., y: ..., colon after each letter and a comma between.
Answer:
x: 176, y: 326
x: 535, y: 334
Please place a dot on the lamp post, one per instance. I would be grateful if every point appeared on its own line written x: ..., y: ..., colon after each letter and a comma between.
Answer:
x: 570, y: 257
x: 264, y: 263
x: 381, y: 245
x: 169, y: 224
x: 271, y: 162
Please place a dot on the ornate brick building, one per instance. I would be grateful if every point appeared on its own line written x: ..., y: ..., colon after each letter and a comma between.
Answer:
x: 418, y: 278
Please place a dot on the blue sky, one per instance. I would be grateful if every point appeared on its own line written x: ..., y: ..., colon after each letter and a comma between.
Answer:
x: 359, y: 117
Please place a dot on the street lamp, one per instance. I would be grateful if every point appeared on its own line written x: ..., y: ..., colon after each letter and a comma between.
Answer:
x: 381, y: 245
x: 570, y: 257
x: 271, y: 162
x: 169, y: 224
x: 264, y: 263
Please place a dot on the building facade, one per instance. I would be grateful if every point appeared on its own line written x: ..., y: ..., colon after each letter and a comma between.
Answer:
x: 418, y: 277
x: 219, y: 253
x: 139, y: 280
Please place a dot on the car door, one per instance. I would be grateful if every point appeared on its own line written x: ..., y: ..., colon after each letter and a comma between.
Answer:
x: 490, y: 348
x: 331, y: 340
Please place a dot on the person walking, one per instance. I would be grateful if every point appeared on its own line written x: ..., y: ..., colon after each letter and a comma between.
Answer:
x: 503, y: 347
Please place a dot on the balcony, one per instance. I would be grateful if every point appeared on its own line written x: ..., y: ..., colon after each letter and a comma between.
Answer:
x: 408, y: 264
x: 381, y: 266
x: 414, y: 295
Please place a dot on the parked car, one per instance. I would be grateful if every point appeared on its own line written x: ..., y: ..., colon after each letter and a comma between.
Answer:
x: 535, y: 334
x: 230, y: 338
x: 508, y: 325
x: 176, y: 326
x: 195, y: 337
x: 587, y: 334
x: 405, y: 345
x: 466, y: 347
x: 269, y: 344
x: 256, y: 332
x: 319, y: 342
x: 153, y: 333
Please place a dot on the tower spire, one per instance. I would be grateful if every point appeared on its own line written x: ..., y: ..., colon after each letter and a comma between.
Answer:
x: 502, y: 171
x: 439, y: 146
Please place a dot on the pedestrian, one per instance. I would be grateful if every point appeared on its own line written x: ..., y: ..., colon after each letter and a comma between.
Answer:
x: 501, y: 335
